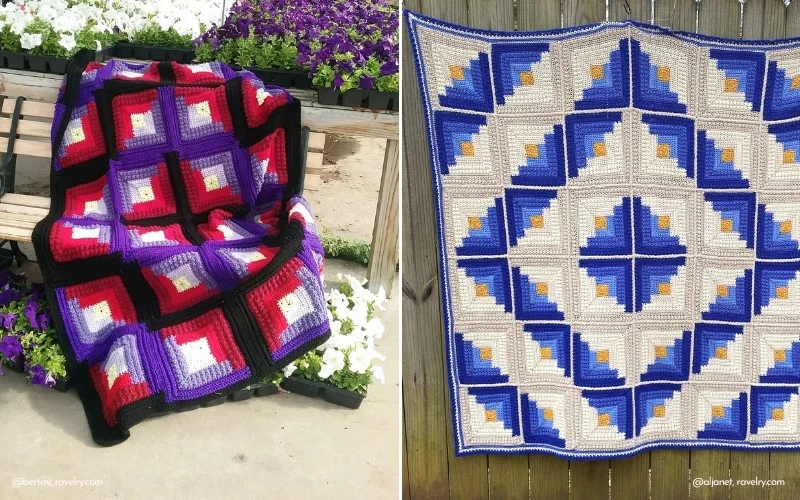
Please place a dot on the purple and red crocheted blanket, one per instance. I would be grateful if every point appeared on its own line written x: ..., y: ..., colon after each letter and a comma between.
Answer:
x: 180, y: 259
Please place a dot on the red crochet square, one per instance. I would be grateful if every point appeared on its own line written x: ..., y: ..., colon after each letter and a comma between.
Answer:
x: 268, y: 161
x: 248, y: 260
x: 145, y: 192
x: 208, y: 72
x: 72, y: 240
x: 213, y: 328
x: 211, y: 182
x: 222, y: 227
x: 202, y: 112
x: 120, y: 378
x: 180, y: 281
x: 111, y: 291
x: 83, y: 137
x: 138, y: 120
x: 260, y: 102
x: 90, y: 201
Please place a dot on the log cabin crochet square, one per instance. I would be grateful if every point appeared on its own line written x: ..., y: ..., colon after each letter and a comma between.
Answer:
x: 180, y: 258
x: 619, y: 237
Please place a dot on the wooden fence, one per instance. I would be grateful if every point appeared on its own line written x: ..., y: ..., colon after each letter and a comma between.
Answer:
x: 429, y: 467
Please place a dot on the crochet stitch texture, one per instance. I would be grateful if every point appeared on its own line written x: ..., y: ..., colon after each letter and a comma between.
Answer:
x: 181, y: 260
x: 619, y: 233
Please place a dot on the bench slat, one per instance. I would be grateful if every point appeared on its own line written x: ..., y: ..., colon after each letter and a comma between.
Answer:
x: 5, y: 208
x: 30, y: 108
x: 6, y: 216
x: 17, y: 223
x: 27, y: 147
x: 27, y: 127
x: 15, y: 233
x: 26, y: 200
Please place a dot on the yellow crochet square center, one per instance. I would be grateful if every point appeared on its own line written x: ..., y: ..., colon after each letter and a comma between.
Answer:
x: 545, y: 353
x: 526, y: 78
x: 664, y: 289
x: 467, y: 149
x: 486, y: 353
x: 718, y: 411
x: 731, y: 85
x: 726, y: 226
x: 727, y: 155
x: 721, y: 353
x: 786, y: 227
x: 779, y: 355
x: 777, y: 414
x: 537, y: 221
x: 663, y: 222
x: 490, y: 415
x: 663, y: 150
x: 601, y: 290
x: 541, y: 288
x: 181, y: 284
x: 532, y: 150
x: 782, y: 292
x: 602, y: 356
x: 659, y: 410
x: 663, y: 74
x: 547, y: 413
x: 604, y: 420
x: 661, y: 351
x: 456, y: 72
x: 600, y: 223
x: 481, y: 290
x: 789, y: 156
x: 722, y: 291
x: 599, y: 149
x: 474, y: 223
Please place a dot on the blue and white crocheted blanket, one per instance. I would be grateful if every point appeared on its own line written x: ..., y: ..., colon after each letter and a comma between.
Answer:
x: 618, y: 209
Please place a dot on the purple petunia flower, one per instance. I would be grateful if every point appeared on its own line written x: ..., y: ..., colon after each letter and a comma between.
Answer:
x: 9, y: 319
x: 44, y: 320
x: 338, y: 81
x: 10, y: 346
x: 30, y: 313
x: 40, y: 377
x: 366, y: 82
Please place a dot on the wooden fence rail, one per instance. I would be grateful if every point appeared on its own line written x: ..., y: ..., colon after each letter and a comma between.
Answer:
x: 429, y: 467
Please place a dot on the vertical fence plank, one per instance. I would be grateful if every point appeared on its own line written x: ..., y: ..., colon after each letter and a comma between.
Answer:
x: 508, y: 474
x: 639, y: 10
x: 784, y: 466
x: 549, y: 478
x: 746, y: 466
x: 469, y: 477
x: 764, y: 20
x: 669, y: 474
x: 714, y: 464
x: 496, y: 15
x: 630, y: 477
x: 588, y: 480
x: 406, y: 486
x: 680, y: 15
x: 539, y: 15
x: 719, y: 18
x: 793, y: 19
x: 577, y: 12
x: 423, y: 353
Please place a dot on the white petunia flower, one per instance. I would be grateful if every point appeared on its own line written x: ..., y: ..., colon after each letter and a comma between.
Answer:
x: 359, y: 359
x: 377, y: 372
x: 67, y: 41
x: 30, y: 40
x: 332, y: 361
x: 289, y: 369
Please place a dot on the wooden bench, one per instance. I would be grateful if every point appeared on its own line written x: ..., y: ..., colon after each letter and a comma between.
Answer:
x: 25, y: 130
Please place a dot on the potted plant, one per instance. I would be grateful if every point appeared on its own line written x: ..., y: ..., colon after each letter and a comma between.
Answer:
x: 157, y: 43
x: 323, y: 80
x: 341, y: 369
x: 26, y: 333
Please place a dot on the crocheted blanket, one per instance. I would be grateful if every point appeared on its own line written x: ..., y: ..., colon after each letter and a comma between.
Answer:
x: 618, y: 209
x: 180, y: 259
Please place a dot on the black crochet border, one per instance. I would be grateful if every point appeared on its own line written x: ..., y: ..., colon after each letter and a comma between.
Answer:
x: 243, y: 324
